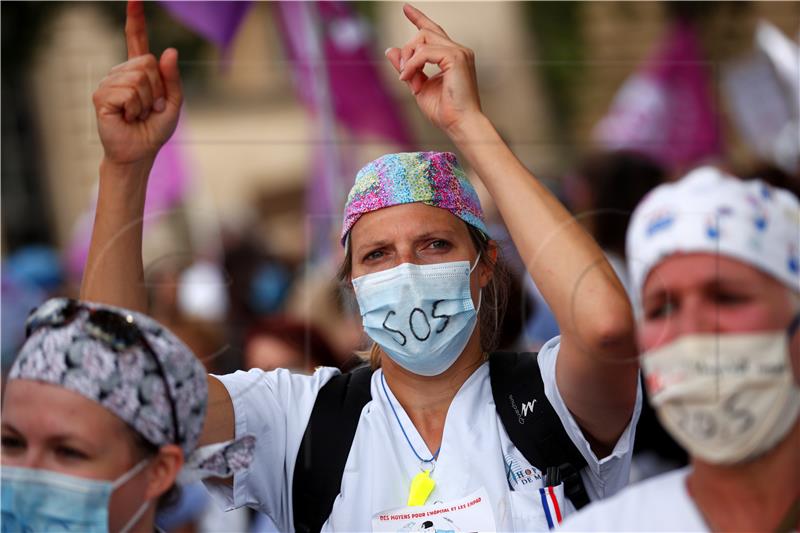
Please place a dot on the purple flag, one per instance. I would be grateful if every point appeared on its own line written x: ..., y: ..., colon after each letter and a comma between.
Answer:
x: 336, y: 77
x: 359, y: 98
x: 168, y: 180
x: 358, y: 94
x: 666, y: 110
x: 216, y: 21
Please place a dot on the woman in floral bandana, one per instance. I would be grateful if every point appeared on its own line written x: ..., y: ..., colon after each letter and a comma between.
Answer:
x: 101, y: 415
x: 421, y: 263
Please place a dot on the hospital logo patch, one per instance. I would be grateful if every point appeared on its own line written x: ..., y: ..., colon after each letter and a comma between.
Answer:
x: 520, y: 473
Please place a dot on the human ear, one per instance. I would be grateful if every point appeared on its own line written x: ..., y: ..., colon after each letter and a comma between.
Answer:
x: 163, y: 471
x: 487, y: 263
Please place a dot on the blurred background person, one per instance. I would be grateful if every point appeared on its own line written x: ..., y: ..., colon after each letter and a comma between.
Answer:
x: 603, y: 192
x: 30, y: 275
x: 283, y: 342
x: 715, y: 263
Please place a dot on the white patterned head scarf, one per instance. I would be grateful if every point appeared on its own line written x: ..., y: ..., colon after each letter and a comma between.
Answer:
x: 713, y: 212
x: 126, y: 362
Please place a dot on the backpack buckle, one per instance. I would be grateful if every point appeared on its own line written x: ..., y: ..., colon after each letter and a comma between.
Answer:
x: 573, y: 485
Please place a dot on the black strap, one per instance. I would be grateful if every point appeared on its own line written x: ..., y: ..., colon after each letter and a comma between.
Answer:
x: 533, y: 425
x: 320, y: 463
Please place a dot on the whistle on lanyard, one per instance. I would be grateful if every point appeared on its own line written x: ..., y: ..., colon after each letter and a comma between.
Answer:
x: 421, y: 487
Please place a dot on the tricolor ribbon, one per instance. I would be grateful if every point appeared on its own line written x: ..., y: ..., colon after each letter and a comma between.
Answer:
x: 552, y: 511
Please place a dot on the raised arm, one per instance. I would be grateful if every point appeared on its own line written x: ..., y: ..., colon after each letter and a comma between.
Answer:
x: 597, y: 370
x: 137, y: 107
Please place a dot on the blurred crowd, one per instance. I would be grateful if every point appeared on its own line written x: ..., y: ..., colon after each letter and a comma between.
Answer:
x: 246, y: 303
x: 253, y: 308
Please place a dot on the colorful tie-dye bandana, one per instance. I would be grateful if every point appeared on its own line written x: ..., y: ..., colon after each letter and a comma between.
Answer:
x: 433, y: 178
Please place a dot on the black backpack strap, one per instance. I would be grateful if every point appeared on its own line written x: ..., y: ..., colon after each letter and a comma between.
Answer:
x: 533, y: 425
x: 325, y: 446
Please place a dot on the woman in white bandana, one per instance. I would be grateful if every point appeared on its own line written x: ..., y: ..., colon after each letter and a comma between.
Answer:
x: 715, y: 263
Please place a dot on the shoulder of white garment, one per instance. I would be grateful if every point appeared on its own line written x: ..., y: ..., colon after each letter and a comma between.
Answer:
x: 246, y: 387
x: 275, y: 407
x: 661, y: 503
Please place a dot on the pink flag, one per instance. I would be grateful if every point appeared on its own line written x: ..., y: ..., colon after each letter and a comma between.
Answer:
x: 359, y: 97
x: 336, y: 76
x: 666, y: 110
x: 358, y: 94
x: 216, y: 21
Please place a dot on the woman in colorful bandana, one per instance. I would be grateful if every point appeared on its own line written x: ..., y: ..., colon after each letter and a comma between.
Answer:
x: 102, y: 414
x: 715, y: 263
x: 421, y: 263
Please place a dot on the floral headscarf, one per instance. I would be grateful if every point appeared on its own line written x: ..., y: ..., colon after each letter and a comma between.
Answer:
x: 132, y: 366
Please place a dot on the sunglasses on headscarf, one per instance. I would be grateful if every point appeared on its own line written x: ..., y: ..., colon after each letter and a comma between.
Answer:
x: 116, y: 330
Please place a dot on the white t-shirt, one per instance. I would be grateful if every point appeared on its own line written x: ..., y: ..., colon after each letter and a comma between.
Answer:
x: 661, y: 503
x: 478, y: 471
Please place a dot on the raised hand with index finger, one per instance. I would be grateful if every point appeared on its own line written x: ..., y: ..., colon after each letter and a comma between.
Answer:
x: 137, y: 104
x: 450, y: 96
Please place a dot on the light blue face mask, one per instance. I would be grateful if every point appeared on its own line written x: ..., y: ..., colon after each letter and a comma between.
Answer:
x: 41, y: 500
x: 422, y: 316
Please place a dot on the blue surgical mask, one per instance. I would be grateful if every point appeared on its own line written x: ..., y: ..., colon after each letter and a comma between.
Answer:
x: 422, y: 316
x: 41, y: 500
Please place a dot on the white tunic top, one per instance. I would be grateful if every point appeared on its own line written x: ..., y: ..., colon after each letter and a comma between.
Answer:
x: 481, y: 478
x: 661, y: 503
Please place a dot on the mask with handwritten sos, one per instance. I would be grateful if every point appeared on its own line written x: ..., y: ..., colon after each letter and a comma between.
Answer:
x: 727, y: 398
x: 422, y: 316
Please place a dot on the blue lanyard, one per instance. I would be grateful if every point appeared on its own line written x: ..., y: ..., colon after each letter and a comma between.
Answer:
x: 435, y: 455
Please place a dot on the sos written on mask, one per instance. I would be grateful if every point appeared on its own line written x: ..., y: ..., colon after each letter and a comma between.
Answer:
x: 727, y: 397
x: 422, y: 316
